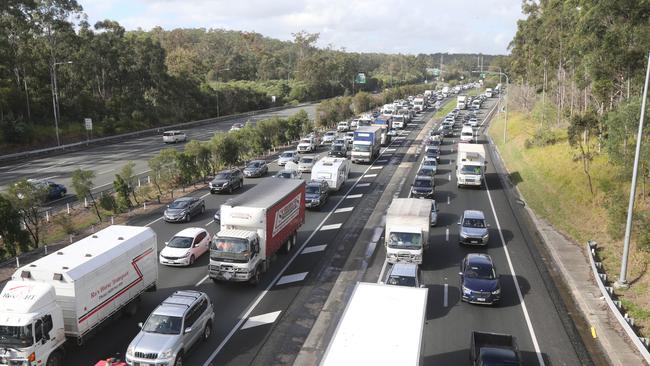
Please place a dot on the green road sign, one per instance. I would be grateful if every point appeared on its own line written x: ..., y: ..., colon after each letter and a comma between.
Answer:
x: 360, y: 78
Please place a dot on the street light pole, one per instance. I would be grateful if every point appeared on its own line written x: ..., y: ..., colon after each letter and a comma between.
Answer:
x: 622, y: 278
x: 226, y: 69
x: 55, y: 100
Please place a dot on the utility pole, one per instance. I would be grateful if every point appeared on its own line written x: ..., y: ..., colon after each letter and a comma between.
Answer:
x: 55, y: 100
x: 622, y: 278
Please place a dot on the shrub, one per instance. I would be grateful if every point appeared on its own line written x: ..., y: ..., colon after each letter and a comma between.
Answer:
x: 64, y: 221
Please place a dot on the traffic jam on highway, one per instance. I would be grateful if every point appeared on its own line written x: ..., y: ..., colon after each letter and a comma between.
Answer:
x: 245, y: 235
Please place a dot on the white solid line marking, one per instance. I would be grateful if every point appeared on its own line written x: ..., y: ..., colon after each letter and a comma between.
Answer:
x: 540, y: 359
x: 291, y: 278
x: 314, y: 249
x: 450, y: 177
x: 330, y: 227
x: 343, y: 209
x: 383, y: 269
x: 52, y: 177
x: 358, y: 195
x: 376, y: 167
x: 448, y: 200
x: 447, y: 234
x: 255, y: 321
x: 211, y: 221
x: 202, y: 280
x: 106, y: 171
x: 154, y: 221
x: 445, y: 296
x: 363, y: 184
x: 370, y: 175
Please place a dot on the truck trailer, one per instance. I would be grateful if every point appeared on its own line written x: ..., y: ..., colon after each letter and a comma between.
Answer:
x: 254, y: 227
x: 366, y: 144
x: 334, y: 171
x: 365, y: 336
x: 71, y: 292
x: 407, y: 229
x: 470, y: 165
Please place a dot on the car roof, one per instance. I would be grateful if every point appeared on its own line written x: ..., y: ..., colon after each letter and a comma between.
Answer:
x: 423, y: 177
x: 190, y: 232
x: 479, y: 258
x: 404, y: 269
x: 185, y: 199
x: 473, y: 214
x: 257, y: 161
x: 178, y: 303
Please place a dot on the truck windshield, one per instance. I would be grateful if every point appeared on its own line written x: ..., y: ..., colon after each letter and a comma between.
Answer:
x: 163, y: 324
x: 401, y: 281
x: 471, y: 169
x: 229, y: 245
x: 16, y: 336
x: 361, y: 148
x: 405, y: 240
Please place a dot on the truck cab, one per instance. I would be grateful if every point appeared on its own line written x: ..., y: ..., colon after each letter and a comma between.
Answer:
x: 235, y: 255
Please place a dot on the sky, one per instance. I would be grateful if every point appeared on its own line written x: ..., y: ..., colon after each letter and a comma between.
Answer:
x: 389, y: 26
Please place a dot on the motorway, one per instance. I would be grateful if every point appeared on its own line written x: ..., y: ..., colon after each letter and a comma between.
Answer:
x: 107, y: 160
x: 248, y: 318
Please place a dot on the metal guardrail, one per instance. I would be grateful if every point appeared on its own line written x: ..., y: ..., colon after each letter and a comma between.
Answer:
x: 615, y: 305
x: 151, y: 131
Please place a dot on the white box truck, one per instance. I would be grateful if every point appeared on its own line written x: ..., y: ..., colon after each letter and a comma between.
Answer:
x: 418, y: 103
x: 70, y: 292
x: 470, y: 165
x: 334, y: 171
x: 461, y: 102
x: 366, y: 334
x: 366, y: 144
x: 407, y: 229
x: 254, y: 226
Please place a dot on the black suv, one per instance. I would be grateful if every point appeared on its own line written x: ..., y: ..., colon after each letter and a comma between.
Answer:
x: 316, y: 193
x: 227, y: 181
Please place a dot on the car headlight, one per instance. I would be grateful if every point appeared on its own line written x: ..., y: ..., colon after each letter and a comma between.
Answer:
x: 187, y: 254
x: 467, y: 291
x: 225, y: 184
x: 392, y: 255
x: 129, y: 351
x: 166, y: 354
x: 485, y: 236
x: 496, y: 292
x: 463, y: 235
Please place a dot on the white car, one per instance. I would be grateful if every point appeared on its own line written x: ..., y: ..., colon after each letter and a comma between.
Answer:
x: 306, y: 145
x: 185, y: 247
x: 288, y: 174
x: 288, y: 156
x: 430, y: 163
x: 306, y: 163
x: 329, y: 137
x: 343, y: 126
x: 349, y: 137
x: 172, y: 137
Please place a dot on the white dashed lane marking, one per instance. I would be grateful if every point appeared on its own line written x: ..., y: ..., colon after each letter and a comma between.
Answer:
x: 256, y: 321
x: 330, y: 227
x: 358, y: 195
x: 370, y: 175
x: 292, y: 278
x: 314, y: 249
x: 363, y: 184
x: 343, y: 209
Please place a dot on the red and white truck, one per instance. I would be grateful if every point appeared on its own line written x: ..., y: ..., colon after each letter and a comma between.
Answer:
x: 254, y: 226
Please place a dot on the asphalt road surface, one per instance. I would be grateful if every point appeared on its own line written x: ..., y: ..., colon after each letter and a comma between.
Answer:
x: 107, y: 160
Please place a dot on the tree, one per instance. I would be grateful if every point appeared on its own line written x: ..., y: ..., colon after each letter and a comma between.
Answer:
x: 121, y: 187
x: 580, y: 133
x: 225, y: 148
x: 164, y: 168
x: 27, y: 198
x: 82, y: 183
x: 187, y: 169
x: 127, y: 173
x: 200, y: 152
x: 13, y: 236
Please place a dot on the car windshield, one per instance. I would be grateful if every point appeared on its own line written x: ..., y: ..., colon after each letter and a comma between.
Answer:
x: 286, y: 155
x: 401, y: 281
x: 163, y: 324
x: 229, y: 245
x: 361, y: 148
x: 180, y: 242
x: 425, y: 172
x: 471, y: 169
x: 422, y: 183
x: 222, y: 176
x: 480, y: 271
x: 312, y: 189
x: 254, y: 165
x: 404, y: 240
x: 16, y: 336
x: 337, y: 147
x: 474, y: 223
x: 285, y: 175
x: 307, y: 160
x: 179, y: 204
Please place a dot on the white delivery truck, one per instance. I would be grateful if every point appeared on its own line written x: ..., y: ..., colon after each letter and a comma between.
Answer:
x: 366, y: 144
x: 334, y: 171
x: 365, y: 336
x: 488, y: 92
x: 445, y: 91
x: 418, y: 103
x: 70, y: 292
x: 388, y: 109
x: 461, y: 102
x: 407, y: 229
x: 470, y: 165
x: 254, y: 226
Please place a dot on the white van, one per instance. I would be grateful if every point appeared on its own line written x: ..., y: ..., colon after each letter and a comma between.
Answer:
x: 172, y: 137
x: 332, y: 170
x: 467, y: 134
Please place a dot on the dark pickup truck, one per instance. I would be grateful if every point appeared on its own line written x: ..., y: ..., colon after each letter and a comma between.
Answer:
x: 491, y: 349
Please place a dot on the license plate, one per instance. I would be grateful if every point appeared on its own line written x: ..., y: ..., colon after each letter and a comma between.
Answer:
x: 480, y: 299
x: 475, y: 241
x: 144, y: 364
x: 227, y: 275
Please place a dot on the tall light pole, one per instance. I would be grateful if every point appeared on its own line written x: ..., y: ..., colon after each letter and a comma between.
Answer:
x: 622, y: 278
x: 55, y: 100
x: 216, y: 75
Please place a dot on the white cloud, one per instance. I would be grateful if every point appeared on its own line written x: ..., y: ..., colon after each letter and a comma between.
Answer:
x: 415, y: 26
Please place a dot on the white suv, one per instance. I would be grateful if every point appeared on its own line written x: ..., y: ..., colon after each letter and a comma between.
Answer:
x: 171, y: 329
x: 172, y: 137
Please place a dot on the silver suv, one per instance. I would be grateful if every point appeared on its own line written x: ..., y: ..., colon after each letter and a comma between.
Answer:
x: 473, y: 228
x: 171, y: 329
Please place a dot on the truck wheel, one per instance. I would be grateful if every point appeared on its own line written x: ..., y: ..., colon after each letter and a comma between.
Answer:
x: 255, y: 279
x: 179, y: 359
x: 55, y: 359
x: 288, y: 245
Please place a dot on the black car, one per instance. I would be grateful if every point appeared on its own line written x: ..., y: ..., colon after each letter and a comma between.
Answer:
x: 447, y: 131
x: 479, y: 282
x: 338, y: 150
x: 255, y: 169
x: 227, y: 181
x: 422, y: 187
x: 183, y: 209
x: 316, y: 193
x: 52, y: 190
